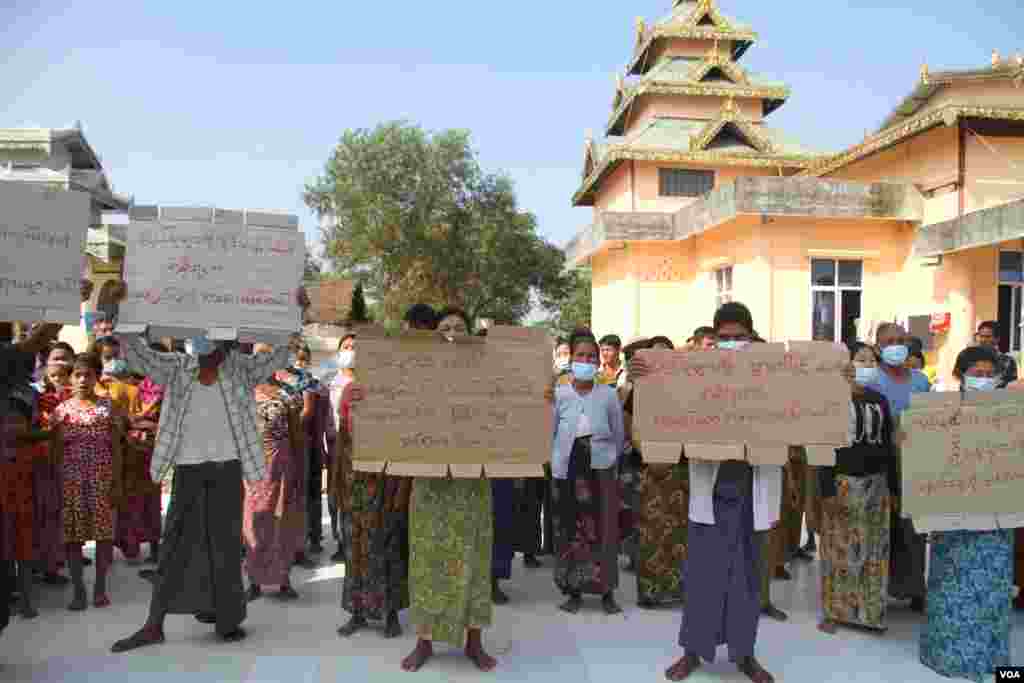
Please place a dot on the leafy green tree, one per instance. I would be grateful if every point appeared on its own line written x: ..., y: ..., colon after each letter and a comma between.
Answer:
x: 312, y: 270
x: 574, y: 306
x: 417, y: 219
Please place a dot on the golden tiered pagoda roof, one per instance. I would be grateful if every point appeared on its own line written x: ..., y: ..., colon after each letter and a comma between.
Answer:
x: 698, y: 19
x: 913, y: 115
x: 727, y: 140
x: 714, y: 75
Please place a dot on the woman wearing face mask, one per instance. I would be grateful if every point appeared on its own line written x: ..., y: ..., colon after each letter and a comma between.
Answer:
x: 316, y: 411
x: 970, y: 575
x: 340, y: 411
x: 856, y: 500
x: 274, y: 512
x: 894, y: 381
x: 451, y: 534
x: 588, y: 440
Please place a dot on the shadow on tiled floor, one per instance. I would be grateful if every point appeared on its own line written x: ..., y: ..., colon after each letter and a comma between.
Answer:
x: 297, y: 643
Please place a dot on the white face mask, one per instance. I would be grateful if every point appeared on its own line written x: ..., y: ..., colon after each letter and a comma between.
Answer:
x: 980, y: 383
x: 346, y: 359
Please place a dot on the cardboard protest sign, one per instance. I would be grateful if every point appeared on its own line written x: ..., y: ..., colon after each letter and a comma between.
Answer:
x: 751, y: 404
x: 964, y: 457
x: 42, y: 235
x: 431, y: 406
x: 193, y: 269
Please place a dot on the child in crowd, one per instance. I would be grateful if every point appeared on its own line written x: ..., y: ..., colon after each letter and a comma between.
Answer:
x: 88, y: 435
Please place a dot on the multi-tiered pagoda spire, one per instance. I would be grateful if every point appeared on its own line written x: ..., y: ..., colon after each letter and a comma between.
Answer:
x: 684, y: 99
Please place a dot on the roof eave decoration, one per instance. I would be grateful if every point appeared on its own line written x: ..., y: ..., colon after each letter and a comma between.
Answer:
x: 730, y: 116
x: 716, y: 60
x: 588, y: 154
x: 720, y: 29
x: 620, y: 153
x: 772, y: 97
x: 932, y: 81
x: 893, y: 135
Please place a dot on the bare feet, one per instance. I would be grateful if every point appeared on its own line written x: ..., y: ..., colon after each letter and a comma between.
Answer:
x: 828, y: 626
x: 572, y: 605
x: 682, y: 669
x: 353, y: 626
x: 610, y: 605
x: 750, y: 667
x: 773, y: 612
x: 234, y: 636
x: 479, y: 656
x: 420, y: 655
x: 476, y: 653
x: 146, y: 636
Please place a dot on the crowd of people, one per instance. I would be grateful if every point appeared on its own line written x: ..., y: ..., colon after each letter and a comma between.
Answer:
x: 250, y: 438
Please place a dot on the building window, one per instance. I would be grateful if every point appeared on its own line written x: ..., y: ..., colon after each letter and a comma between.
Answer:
x: 1011, y: 286
x: 681, y: 182
x: 723, y: 286
x: 835, y: 299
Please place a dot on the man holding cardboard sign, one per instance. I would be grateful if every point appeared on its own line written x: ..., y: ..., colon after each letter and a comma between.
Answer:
x: 200, y: 568
x: 737, y: 414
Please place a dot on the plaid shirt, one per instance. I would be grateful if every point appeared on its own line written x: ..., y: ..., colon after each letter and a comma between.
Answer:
x: 238, y: 377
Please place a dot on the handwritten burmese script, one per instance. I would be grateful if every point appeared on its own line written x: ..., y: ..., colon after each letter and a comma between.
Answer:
x: 964, y: 458
x: 42, y: 233
x: 478, y: 401
x: 760, y: 399
x: 197, y: 275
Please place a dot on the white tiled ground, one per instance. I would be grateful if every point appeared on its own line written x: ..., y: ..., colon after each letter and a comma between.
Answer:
x: 533, y: 641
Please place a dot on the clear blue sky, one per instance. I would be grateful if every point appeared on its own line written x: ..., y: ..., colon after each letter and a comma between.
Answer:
x: 237, y: 104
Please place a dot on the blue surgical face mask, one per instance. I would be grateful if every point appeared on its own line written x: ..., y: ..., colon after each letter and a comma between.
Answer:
x: 199, y: 346
x: 732, y: 345
x: 895, y: 356
x: 866, y: 376
x: 117, y: 367
x: 562, y: 364
x: 979, y: 383
x: 584, y: 372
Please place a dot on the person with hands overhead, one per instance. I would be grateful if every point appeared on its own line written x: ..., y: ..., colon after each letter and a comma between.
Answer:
x: 208, y: 433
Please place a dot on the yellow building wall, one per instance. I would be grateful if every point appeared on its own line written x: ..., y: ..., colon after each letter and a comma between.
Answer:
x: 993, y: 171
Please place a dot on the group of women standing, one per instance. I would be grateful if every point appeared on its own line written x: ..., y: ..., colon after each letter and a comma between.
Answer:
x: 81, y: 472
x: 440, y: 546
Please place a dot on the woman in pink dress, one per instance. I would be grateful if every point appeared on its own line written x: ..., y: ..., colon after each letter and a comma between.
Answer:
x: 274, y: 521
x: 88, y: 435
